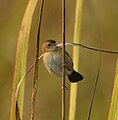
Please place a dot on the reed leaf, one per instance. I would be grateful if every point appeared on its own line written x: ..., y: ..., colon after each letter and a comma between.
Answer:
x: 73, y: 91
x: 113, y: 111
x: 21, y: 57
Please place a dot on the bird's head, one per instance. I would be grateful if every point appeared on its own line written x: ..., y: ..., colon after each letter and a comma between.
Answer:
x: 49, y: 46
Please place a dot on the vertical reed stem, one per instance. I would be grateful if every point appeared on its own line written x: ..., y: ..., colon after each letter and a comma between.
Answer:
x: 73, y: 91
x: 63, y: 60
x: 35, y: 81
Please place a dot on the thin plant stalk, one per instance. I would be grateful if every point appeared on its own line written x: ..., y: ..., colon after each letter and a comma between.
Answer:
x: 113, y: 111
x: 23, y: 77
x: 89, y: 48
x: 35, y: 80
x: 63, y: 60
x: 95, y: 86
x: 73, y: 89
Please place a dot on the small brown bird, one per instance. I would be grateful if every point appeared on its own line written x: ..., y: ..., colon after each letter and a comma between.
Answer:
x: 52, y: 59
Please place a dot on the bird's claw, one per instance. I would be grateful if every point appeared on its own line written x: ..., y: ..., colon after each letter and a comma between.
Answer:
x: 64, y: 87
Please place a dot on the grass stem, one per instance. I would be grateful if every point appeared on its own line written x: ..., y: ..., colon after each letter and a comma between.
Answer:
x: 63, y: 60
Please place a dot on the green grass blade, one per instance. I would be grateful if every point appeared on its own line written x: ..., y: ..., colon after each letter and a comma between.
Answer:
x: 21, y: 57
x: 113, y: 112
x: 73, y: 92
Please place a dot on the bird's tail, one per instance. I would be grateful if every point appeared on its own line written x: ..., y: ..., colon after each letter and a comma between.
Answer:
x: 75, y: 77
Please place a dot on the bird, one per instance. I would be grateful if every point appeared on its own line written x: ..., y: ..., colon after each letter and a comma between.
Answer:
x: 52, y: 59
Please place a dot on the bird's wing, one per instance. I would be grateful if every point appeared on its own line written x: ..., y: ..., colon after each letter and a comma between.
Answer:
x: 68, y: 60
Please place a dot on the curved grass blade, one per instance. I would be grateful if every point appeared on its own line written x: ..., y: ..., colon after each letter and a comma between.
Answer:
x: 23, y: 77
x: 21, y: 57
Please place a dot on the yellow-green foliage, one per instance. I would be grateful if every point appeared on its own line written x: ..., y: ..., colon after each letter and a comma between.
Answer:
x: 73, y: 92
x: 113, y: 113
x: 21, y: 56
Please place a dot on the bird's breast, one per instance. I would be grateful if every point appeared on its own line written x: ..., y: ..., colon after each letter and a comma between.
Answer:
x: 52, y: 62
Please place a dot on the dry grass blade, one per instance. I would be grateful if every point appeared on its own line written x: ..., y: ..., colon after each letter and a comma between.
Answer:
x: 21, y: 57
x: 113, y: 111
x: 18, y: 117
x: 35, y: 80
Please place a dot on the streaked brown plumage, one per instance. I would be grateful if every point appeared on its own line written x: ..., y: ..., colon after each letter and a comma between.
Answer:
x: 52, y: 59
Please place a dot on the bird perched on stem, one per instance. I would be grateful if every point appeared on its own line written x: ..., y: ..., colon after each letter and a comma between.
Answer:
x: 52, y: 59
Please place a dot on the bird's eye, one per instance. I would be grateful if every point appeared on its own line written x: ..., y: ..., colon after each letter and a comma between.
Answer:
x: 49, y: 44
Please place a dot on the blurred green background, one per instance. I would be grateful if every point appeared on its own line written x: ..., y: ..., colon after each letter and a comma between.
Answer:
x: 99, y: 23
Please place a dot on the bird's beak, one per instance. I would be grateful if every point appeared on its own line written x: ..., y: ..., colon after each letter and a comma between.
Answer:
x: 59, y: 45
